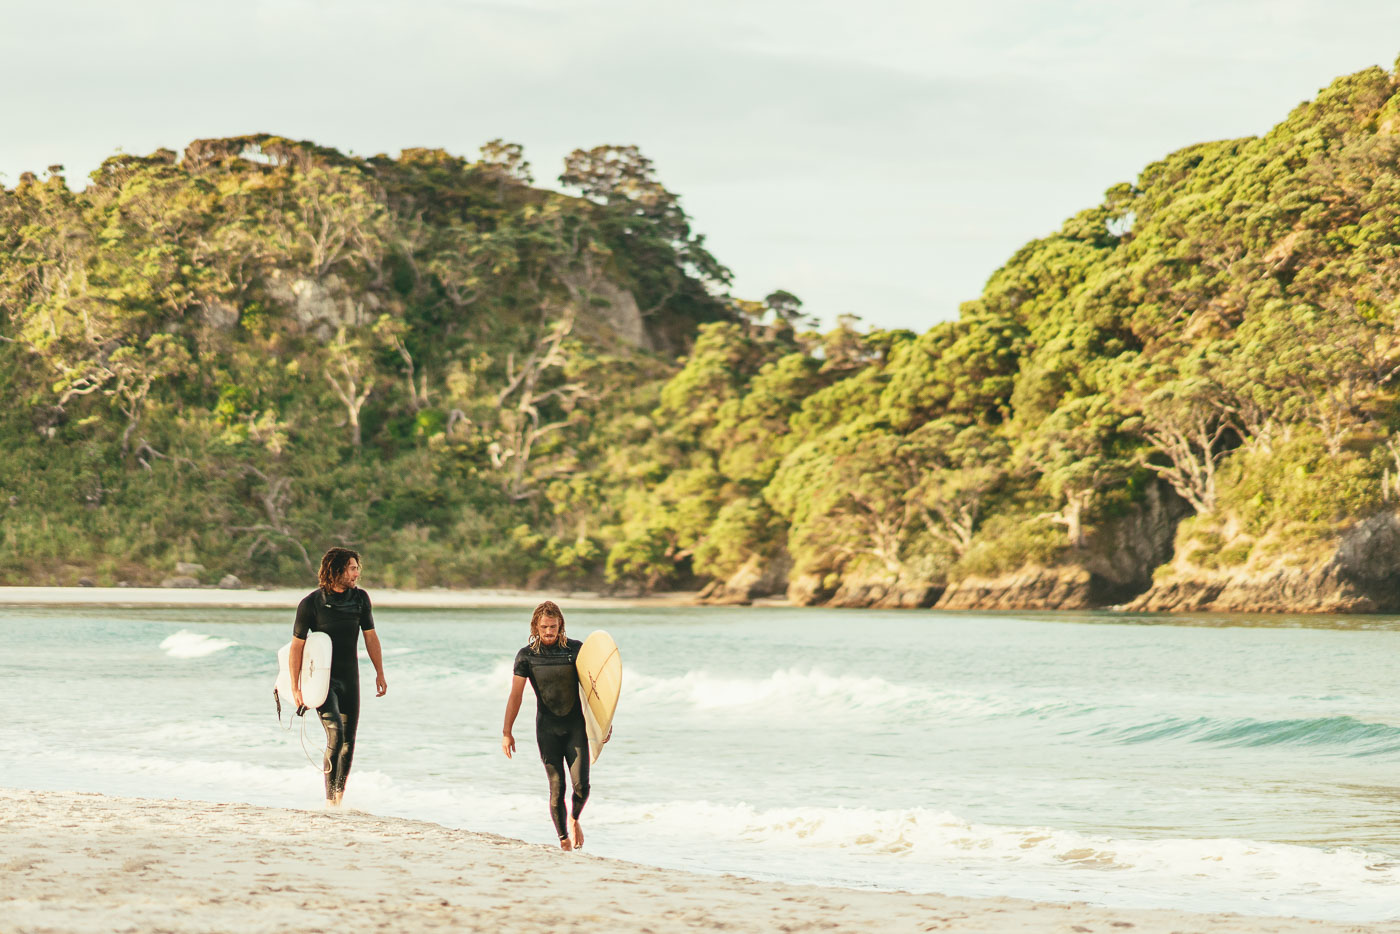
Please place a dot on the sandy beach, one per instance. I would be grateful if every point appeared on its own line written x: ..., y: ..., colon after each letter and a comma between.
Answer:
x: 85, y: 862
x: 288, y: 597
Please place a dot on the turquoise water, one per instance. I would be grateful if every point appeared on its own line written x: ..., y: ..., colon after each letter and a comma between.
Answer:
x: 1211, y: 763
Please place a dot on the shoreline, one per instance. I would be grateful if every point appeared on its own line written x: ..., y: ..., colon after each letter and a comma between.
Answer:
x: 284, y: 597
x: 503, y: 598
x: 89, y: 862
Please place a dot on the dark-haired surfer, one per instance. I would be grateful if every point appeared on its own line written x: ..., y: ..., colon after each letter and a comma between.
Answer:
x: 342, y: 611
x: 547, y: 662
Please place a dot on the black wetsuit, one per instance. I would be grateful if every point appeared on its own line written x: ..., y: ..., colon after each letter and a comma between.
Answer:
x: 341, y: 616
x: 559, y: 727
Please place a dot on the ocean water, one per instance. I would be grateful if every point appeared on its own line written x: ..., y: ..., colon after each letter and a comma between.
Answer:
x: 1212, y: 763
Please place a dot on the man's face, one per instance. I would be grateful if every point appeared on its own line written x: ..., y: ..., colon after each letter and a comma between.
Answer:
x: 549, y: 630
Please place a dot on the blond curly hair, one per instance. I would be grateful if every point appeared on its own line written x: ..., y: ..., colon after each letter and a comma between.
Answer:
x: 546, y: 610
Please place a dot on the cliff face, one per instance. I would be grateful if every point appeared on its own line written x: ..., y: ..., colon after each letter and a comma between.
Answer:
x: 1359, y: 573
x: 1069, y: 587
x: 885, y: 592
x: 1362, y: 575
x: 757, y: 577
x: 1115, y: 565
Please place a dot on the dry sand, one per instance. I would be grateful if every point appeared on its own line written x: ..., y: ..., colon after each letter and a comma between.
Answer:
x: 393, y: 599
x: 82, y: 862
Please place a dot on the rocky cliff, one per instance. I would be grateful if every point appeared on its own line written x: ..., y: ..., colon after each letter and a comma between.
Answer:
x: 1115, y: 564
x: 1361, y: 574
x: 758, y: 577
x: 1139, y: 562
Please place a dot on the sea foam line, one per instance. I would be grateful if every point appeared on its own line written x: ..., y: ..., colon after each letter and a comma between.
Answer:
x: 941, y: 838
x: 797, y: 691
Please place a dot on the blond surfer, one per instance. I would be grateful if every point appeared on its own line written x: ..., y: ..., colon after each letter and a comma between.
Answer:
x: 547, y: 663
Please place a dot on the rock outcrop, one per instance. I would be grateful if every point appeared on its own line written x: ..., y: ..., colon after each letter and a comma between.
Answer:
x: 809, y: 590
x: 321, y: 306
x: 863, y: 589
x: 757, y: 577
x: 1115, y: 568
x: 1362, y: 575
x: 1033, y: 588
x: 218, y: 314
x: 607, y: 303
x: 885, y: 591
x: 1115, y: 565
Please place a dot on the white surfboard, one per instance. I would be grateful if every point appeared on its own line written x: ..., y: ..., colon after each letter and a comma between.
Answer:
x: 315, y: 671
x: 600, y: 684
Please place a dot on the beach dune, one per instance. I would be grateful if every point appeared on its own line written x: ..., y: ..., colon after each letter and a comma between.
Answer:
x: 86, y: 862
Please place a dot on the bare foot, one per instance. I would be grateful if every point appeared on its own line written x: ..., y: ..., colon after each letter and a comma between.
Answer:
x: 565, y: 845
x: 578, y: 835
x: 333, y: 803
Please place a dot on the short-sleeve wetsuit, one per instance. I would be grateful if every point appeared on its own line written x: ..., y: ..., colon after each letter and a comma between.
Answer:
x: 559, y: 728
x: 342, y: 616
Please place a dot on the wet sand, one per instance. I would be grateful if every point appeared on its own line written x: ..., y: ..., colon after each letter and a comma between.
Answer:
x: 91, y: 863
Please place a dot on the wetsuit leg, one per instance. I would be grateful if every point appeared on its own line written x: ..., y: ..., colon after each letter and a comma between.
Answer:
x: 552, y: 744
x: 564, y: 748
x: 340, y: 715
x: 576, y: 754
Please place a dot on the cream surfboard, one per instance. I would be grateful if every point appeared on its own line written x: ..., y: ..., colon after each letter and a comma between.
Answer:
x: 315, y: 671
x: 600, y: 683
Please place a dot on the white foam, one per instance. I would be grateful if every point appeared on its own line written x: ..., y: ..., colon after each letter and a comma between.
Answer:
x: 796, y: 692
x: 934, y: 850
x: 186, y: 644
x: 801, y: 692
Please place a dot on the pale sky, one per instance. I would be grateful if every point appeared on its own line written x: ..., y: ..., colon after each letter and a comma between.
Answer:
x: 875, y: 158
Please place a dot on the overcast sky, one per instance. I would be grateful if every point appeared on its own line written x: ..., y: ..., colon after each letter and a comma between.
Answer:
x: 875, y: 158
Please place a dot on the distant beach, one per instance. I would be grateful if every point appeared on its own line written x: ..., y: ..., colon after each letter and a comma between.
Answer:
x: 437, y: 599
x: 84, y: 862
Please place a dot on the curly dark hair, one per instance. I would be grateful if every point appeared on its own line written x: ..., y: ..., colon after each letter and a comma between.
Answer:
x: 333, y: 564
x: 546, y: 610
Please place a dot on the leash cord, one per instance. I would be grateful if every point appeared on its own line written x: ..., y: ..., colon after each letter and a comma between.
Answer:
x: 301, y: 712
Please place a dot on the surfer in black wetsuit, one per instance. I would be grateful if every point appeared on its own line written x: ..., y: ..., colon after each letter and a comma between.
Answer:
x: 342, y: 611
x: 548, y: 664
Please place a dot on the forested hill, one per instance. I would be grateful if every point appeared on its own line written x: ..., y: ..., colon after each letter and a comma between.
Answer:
x: 238, y: 355
x: 1186, y: 395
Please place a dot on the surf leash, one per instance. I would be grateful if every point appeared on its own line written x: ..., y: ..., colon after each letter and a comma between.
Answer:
x: 324, y: 769
x: 301, y: 712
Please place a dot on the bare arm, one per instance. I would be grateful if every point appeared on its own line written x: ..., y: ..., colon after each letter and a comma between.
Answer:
x: 517, y: 692
x: 376, y: 655
x: 294, y: 669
